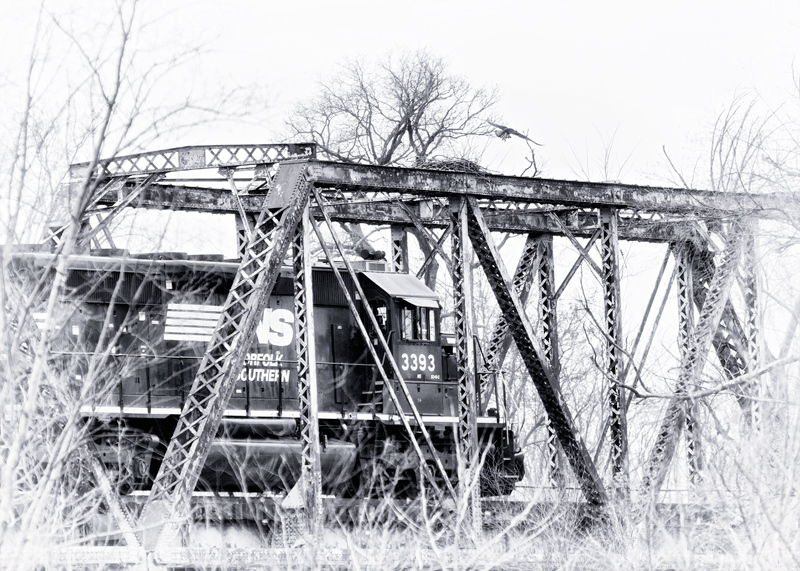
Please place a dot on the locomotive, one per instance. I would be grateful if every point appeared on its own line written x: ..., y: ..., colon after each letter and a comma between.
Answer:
x: 150, y: 316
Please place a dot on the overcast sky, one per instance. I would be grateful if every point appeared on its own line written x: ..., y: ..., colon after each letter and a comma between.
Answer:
x: 570, y: 73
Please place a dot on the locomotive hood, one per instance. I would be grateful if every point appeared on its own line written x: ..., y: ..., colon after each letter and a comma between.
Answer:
x: 405, y: 287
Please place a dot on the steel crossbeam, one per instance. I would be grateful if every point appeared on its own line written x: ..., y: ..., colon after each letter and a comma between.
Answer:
x: 581, y: 223
x: 423, y: 182
x: 538, y: 368
x: 467, y: 433
x: 311, y: 475
x: 224, y: 357
x: 708, y: 321
x: 191, y: 158
x: 609, y: 273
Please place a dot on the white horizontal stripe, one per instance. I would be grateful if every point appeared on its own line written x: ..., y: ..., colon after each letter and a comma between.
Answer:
x: 191, y: 307
x: 186, y: 337
x: 393, y: 418
x: 100, y: 409
x: 165, y: 410
x: 191, y: 327
x: 204, y: 315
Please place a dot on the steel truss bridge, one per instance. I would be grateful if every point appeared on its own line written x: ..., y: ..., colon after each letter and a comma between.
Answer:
x: 281, y: 194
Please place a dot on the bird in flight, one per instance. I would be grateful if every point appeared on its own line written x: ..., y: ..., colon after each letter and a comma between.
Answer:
x: 505, y: 133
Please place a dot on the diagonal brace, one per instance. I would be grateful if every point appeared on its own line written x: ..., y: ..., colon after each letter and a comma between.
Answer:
x: 521, y: 330
x: 168, y: 503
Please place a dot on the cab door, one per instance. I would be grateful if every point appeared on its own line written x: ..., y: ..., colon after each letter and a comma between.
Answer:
x: 418, y: 354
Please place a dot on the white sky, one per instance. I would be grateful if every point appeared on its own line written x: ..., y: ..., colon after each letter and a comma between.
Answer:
x: 570, y: 73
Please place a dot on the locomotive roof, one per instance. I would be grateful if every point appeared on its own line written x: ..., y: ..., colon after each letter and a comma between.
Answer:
x: 406, y: 287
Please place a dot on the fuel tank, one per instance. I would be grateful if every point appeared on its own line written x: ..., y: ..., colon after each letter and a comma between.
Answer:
x: 273, y: 464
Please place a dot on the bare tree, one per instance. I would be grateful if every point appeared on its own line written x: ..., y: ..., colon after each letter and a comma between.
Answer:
x: 403, y: 110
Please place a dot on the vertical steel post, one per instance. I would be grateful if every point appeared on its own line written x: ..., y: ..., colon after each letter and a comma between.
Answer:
x: 609, y: 249
x: 685, y: 294
x: 751, y: 326
x: 399, y: 258
x: 469, y: 487
x: 549, y: 325
x: 307, y: 375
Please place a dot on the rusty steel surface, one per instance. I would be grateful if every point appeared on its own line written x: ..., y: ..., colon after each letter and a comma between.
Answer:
x: 422, y: 182
x: 311, y: 474
x: 612, y: 312
x: 469, y: 206
x: 581, y: 223
x: 467, y: 432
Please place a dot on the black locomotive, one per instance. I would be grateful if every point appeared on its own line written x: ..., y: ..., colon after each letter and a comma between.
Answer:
x: 148, y: 319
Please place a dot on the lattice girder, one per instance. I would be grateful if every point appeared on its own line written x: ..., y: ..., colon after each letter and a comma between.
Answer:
x: 548, y: 320
x: 197, y: 157
x: 749, y: 286
x: 686, y: 319
x: 223, y: 360
x: 609, y: 266
x: 311, y: 476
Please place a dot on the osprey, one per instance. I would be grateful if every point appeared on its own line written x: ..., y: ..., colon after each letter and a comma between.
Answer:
x: 505, y: 132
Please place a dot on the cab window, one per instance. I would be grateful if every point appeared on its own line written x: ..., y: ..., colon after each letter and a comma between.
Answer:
x: 418, y: 323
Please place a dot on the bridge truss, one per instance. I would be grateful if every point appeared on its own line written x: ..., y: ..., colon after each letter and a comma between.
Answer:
x: 280, y: 194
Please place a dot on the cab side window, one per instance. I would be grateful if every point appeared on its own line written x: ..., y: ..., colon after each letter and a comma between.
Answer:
x: 418, y: 323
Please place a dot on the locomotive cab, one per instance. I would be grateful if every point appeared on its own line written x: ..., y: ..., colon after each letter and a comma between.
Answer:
x: 409, y: 313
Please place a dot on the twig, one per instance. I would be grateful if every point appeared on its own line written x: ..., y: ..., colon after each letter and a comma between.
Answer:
x: 724, y: 386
